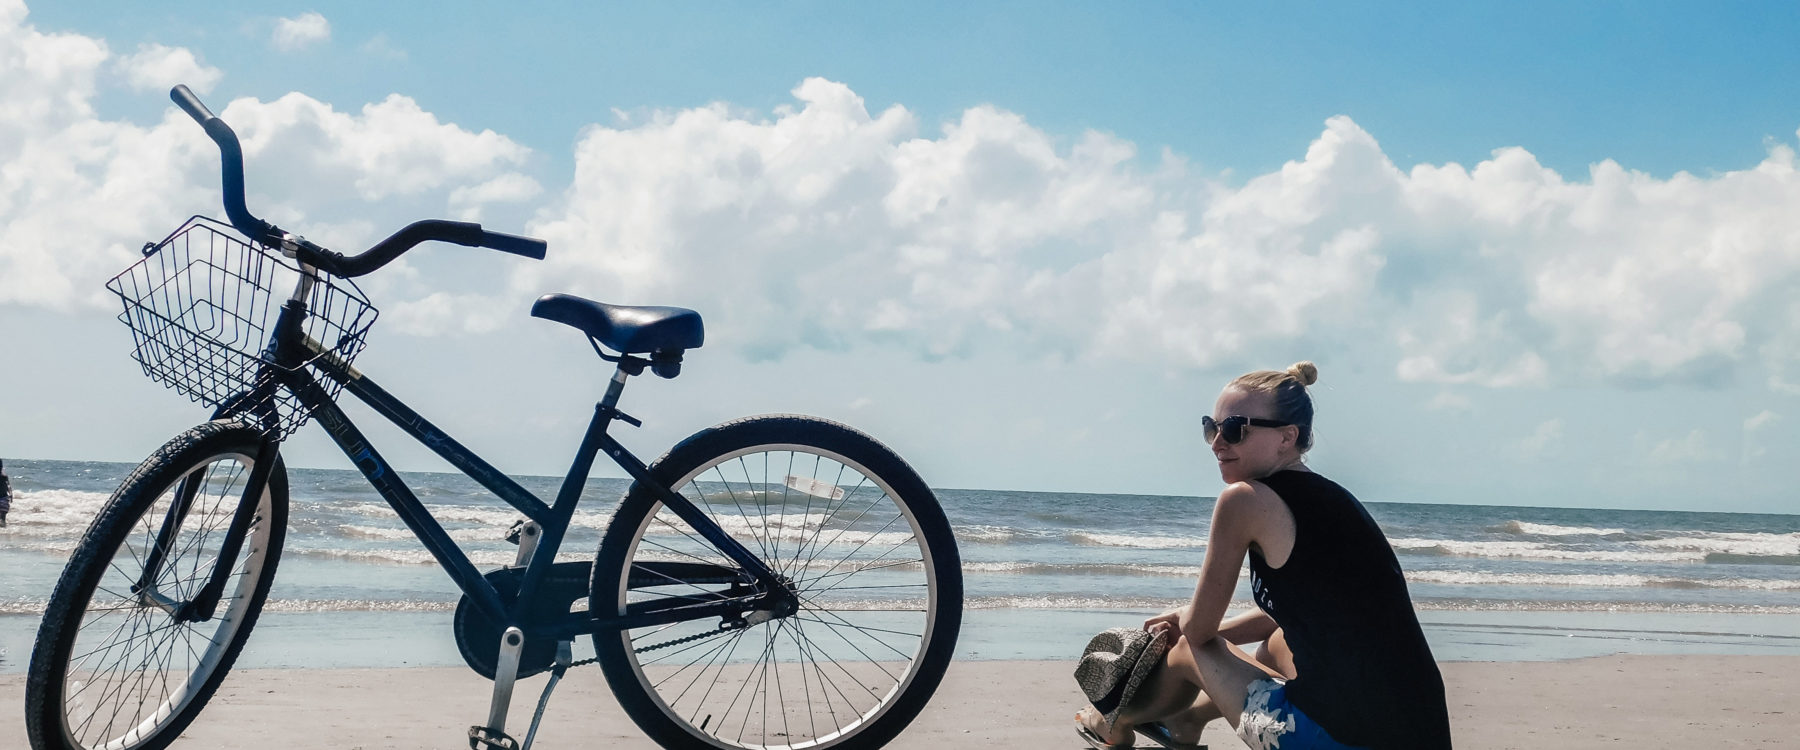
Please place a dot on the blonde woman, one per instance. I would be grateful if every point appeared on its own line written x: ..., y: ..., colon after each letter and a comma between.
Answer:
x: 1343, y: 662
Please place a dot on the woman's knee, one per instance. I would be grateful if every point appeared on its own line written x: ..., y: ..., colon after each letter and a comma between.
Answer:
x: 1274, y: 653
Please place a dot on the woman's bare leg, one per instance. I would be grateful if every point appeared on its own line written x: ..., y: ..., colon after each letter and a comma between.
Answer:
x: 1163, y: 697
x: 1219, y: 669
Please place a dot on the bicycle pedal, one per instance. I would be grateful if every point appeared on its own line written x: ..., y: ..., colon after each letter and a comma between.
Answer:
x: 488, y: 738
x: 518, y: 529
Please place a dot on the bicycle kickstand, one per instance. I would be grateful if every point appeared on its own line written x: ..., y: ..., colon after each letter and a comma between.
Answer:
x: 564, y: 656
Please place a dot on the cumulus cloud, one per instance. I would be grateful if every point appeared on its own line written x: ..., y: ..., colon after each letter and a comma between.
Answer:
x: 302, y: 31
x: 1454, y: 403
x: 823, y: 223
x: 1692, y: 448
x: 511, y: 187
x: 155, y: 68
x: 1546, y: 436
x: 79, y: 194
x: 1753, y: 439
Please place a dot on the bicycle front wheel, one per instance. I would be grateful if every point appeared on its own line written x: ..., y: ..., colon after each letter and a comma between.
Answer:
x: 111, y: 668
x: 856, y: 534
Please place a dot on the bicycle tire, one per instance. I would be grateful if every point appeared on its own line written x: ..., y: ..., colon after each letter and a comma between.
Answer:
x: 188, y: 662
x: 707, y: 459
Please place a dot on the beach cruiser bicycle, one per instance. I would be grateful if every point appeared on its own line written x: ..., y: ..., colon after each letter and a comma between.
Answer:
x: 772, y: 582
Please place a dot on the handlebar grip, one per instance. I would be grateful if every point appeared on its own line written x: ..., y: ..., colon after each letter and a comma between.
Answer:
x: 515, y: 244
x: 190, y: 104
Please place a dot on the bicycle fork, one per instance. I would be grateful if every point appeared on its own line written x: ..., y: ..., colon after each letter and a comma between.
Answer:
x: 206, y: 601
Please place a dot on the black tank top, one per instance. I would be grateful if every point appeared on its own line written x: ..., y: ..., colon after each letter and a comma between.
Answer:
x: 1364, y: 670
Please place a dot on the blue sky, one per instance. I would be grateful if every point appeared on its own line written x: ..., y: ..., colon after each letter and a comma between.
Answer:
x: 1542, y: 253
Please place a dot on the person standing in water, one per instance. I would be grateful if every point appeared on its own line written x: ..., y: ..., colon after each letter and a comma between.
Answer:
x: 5, y: 495
x: 1343, y: 661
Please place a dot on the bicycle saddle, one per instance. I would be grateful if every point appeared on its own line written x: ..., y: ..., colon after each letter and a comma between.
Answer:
x: 622, y: 328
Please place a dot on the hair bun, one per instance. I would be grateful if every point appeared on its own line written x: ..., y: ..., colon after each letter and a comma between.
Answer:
x: 1305, y: 372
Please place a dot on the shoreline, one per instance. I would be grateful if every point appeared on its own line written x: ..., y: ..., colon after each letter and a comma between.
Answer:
x: 1646, y: 700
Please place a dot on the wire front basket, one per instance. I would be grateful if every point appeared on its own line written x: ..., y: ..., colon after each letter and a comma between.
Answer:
x: 201, y: 306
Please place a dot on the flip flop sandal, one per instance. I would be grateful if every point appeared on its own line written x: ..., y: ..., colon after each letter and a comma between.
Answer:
x: 1099, y: 743
x: 1094, y: 739
x: 1159, y: 734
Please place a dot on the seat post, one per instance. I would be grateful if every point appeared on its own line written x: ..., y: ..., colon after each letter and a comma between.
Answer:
x: 610, y: 402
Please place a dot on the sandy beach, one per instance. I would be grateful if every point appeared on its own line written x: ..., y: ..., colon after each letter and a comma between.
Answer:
x: 1613, y: 701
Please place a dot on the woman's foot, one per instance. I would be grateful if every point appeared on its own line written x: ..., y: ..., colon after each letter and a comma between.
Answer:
x: 1092, y: 724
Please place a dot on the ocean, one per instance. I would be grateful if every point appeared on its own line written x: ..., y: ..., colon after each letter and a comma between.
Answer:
x: 1042, y: 570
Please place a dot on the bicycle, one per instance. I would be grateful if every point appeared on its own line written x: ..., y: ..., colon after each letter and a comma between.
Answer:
x: 752, y: 556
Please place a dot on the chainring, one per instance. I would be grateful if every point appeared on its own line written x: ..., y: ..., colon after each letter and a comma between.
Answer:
x: 478, y: 637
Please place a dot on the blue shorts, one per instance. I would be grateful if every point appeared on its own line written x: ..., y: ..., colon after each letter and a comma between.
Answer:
x: 1270, y: 722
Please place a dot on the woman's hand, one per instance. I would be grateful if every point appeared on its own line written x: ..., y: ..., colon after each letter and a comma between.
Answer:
x: 1168, y: 624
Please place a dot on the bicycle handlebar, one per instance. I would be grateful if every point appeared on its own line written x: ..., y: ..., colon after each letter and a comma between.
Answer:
x: 231, y: 158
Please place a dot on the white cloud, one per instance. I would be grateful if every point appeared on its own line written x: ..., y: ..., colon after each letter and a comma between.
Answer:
x: 823, y: 224
x: 380, y: 46
x: 1753, y: 440
x: 155, y: 67
x: 1692, y: 448
x: 300, y: 32
x: 393, y: 148
x: 1454, y: 403
x: 1547, y: 435
x: 79, y: 194
x: 511, y: 187
x: 442, y: 312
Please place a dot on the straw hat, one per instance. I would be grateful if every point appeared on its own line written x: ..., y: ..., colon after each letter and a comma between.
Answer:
x: 1115, y: 664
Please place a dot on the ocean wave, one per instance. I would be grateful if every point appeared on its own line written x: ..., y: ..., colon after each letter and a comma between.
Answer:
x: 1137, y: 541
x: 1098, y: 569
x: 418, y: 556
x: 55, y: 508
x: 1618, y: 580
x: 985, y: 534
x: 1545, y: 529
x: 1700, y: 546
x: 1731, y: 543
x: 1510, y: 605
x: 501, y: 517
x: 388, y: 533
x: 1538, y: 551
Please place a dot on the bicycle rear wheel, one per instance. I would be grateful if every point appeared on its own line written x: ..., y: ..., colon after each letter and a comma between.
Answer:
x: 860, y: 538
x: 110, y: 668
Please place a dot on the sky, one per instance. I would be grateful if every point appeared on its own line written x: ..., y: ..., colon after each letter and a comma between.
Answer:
x: 1542, y: 253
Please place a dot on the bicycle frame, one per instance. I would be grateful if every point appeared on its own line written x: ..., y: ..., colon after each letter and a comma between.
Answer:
x: 290, y: 346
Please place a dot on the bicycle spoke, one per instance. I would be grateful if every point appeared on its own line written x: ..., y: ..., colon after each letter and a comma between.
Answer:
x: 802, y: 583
x: 762, y: 542
x: 715, y: 682
x: 831, y: 513
x: 859, y: 547
x: 711, y: 656
x: 849, y: 543
x: 798, y: 634
x: 847, y: 623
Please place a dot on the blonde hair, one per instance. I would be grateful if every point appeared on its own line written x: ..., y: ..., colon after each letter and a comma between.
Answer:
x: 1287, y: 389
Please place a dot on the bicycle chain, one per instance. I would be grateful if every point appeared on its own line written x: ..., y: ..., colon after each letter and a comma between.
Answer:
x: 665, y: 644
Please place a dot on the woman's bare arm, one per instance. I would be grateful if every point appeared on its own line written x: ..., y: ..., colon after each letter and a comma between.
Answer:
x: 1234, y: 524
x: 1249, y: 627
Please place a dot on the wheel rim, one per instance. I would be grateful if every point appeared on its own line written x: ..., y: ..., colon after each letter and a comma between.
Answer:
x: 869, y: 594
x: 131, y: 668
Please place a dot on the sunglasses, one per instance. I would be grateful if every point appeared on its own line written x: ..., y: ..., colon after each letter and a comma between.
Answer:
x: 1232, y: 428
